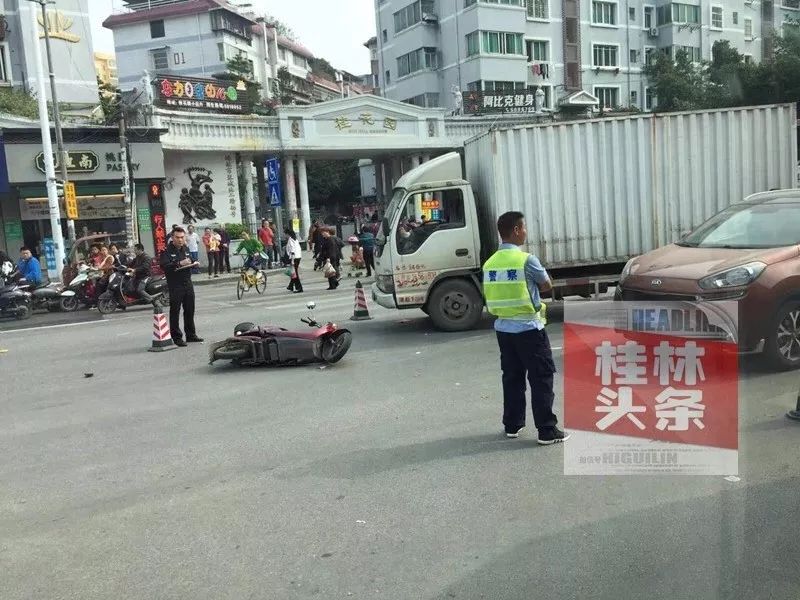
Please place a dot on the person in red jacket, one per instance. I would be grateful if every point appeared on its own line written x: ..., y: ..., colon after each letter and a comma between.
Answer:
x: 267, y: 238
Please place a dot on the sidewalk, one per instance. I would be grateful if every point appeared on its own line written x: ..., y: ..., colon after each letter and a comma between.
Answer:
x: 202, y: 278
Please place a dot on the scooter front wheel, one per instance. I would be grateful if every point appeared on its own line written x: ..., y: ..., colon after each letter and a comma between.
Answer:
x: 106, y: 306
x: 232, y: 352
x: 336, y: 346
x: 69, y: 303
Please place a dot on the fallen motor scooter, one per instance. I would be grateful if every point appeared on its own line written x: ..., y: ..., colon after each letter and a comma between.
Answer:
x: 116, y: 295
x: 276, y: 346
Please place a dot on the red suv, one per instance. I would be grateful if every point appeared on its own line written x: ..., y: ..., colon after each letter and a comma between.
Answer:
x: 750, y: 253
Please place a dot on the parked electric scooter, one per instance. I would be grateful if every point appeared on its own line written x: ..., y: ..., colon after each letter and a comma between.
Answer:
x: 117, y: 294
x: 14, y: 301
x: 276, y: 346
x: 84, y: 284
x: 52, y: 297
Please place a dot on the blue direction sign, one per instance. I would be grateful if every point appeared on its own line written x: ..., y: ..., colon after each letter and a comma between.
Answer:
x: 275, y: 190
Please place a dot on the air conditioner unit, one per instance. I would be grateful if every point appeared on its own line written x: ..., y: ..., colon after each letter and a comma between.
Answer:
x: 653, y: 32
x: 430, y: 18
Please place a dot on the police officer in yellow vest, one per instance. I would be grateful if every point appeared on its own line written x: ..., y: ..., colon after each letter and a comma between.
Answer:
x: 512, y: 282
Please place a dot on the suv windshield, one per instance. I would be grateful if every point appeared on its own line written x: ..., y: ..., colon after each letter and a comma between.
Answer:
x: 749, y: 226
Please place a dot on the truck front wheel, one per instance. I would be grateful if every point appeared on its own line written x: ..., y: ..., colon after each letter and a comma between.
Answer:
x: 455, y: 306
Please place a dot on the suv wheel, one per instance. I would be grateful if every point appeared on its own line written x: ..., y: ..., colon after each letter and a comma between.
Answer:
x: 783, y: 343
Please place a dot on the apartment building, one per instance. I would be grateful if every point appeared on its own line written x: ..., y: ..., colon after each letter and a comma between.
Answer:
x: 196, y: 38
x: 427, y: 49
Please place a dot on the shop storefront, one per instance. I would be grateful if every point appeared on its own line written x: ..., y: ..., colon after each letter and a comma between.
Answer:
x: 94, y: 164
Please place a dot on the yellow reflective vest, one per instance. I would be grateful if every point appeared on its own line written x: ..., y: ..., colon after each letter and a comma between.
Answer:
x: 506, y: 290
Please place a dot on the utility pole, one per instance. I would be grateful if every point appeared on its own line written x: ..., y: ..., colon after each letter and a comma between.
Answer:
x: 47, y: 148
x: 62, y: 154
x: 126, y: 180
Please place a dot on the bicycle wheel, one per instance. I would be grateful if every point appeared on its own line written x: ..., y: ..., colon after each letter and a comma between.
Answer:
x: 261, y: 282
x: 240, y: 289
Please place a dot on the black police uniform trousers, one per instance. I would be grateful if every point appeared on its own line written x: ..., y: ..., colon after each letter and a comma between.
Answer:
x: 522, y: 355
x: 181, y: 296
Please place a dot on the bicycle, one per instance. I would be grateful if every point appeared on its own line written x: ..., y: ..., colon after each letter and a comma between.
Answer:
x: 248, y: 280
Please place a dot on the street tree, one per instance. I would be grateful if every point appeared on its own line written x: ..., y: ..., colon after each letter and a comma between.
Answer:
x: 240, y: 68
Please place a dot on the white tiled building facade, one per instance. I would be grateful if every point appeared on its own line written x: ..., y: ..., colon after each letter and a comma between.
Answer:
x: 196, y: 38
x: 429, y: 48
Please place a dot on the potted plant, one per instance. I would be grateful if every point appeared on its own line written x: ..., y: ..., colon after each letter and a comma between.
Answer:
x: 234, y: 231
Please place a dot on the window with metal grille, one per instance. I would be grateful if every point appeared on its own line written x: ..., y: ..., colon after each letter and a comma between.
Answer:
x: 538, y: 51
x: 538, y: 9
x: 605, y: 55
x: 160, y: 61
x: 716, y: 17
x: 604, y: 13
x: 608, y: 97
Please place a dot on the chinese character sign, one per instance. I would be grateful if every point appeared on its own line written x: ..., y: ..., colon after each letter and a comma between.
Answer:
x: 200, y: 94
x: 634, y: 392
x: 159, y: 232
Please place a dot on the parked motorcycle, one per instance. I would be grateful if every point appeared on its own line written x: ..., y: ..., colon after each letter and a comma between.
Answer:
x: 52, y: 297
x: 14, y: 301
x: 276, y: 346
x: 117, y: 294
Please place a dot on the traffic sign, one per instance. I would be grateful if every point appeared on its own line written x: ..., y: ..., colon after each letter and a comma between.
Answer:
x: 273, y: 170
x: 275, y: 191
x: 70, y: 200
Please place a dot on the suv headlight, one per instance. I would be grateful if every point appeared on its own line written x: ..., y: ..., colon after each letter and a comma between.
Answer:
x: 627, y: 270
x: 735, y: 277
x: 385, y: 283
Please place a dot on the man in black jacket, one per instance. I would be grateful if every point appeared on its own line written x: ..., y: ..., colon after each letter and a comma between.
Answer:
x: 139, y: 270
x: 176, y: 263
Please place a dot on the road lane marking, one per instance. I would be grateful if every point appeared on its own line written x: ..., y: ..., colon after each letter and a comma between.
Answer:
x: 54, y: 326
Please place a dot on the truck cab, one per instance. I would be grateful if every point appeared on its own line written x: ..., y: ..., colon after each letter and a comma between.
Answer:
x: 428, y: 253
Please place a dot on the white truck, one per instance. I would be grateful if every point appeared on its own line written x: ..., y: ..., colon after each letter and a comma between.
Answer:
x: 595, y: 193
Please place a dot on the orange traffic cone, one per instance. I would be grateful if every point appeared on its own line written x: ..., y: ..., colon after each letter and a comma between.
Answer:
x: 360, y: 310
x: 162, y: 340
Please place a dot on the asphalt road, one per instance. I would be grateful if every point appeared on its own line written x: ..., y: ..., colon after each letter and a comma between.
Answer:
x: 385, y: 476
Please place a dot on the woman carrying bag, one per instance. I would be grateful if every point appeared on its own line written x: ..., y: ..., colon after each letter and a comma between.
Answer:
x: 295, y: 253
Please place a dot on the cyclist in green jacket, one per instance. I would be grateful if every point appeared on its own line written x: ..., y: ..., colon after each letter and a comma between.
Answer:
x: 253, y: 248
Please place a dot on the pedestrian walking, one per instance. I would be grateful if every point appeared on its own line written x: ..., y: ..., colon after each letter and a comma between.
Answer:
x: 331, y: 252
x: 521, y: 317
x: 367, y: 240
x: 176, y: 262
x: 295, y: 253
x: 193, y: 244
x: 211, y: 242
x: 224, y: 250
x: 276, y: 244
x: 267, y: 239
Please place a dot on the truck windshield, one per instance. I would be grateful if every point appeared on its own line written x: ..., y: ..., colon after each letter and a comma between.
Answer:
x: 389, y: 216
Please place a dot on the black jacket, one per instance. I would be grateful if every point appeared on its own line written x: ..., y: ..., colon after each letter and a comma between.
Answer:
x: 331, y: 250
x: 140, y: 265
x: 170, y: 261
